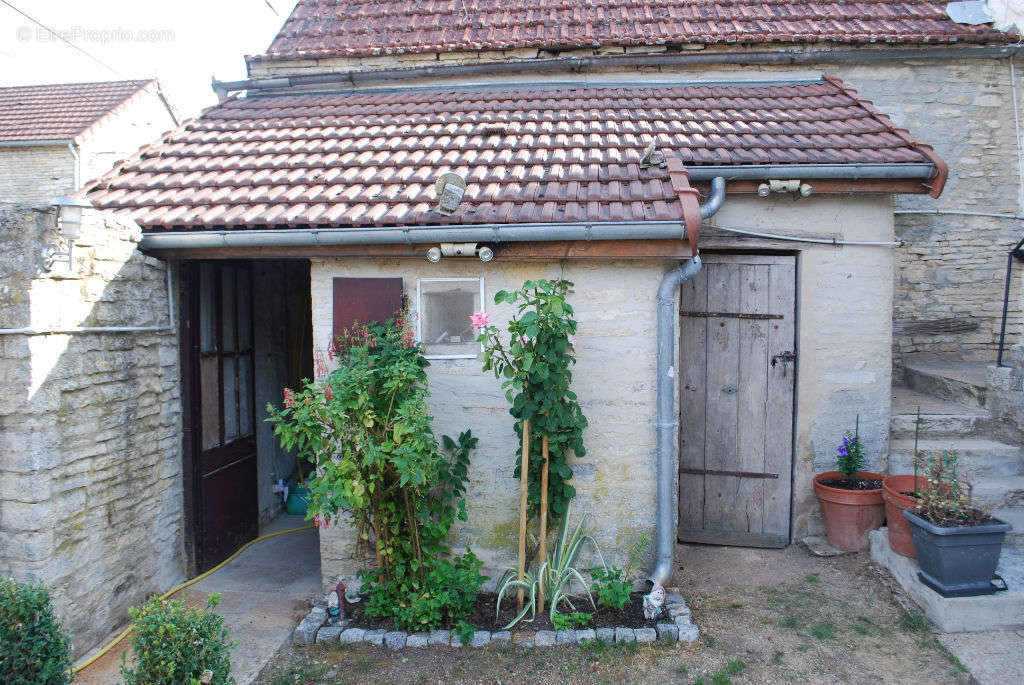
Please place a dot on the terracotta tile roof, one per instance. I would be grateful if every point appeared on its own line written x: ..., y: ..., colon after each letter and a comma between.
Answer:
x: 371, y: 27
x: 528, y: 153
x: 59, y: 111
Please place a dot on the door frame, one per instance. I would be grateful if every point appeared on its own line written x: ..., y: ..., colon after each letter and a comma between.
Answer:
x: 797, y: 306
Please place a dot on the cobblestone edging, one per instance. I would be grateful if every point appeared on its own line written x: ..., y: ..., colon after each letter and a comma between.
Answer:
x: 677, y: 626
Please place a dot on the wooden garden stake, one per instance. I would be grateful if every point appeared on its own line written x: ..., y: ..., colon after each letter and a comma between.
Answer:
x: 543, y: 516
x: 524, y: 479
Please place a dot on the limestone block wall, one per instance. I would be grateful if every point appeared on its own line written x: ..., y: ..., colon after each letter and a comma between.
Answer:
x: 845, y: 299
x: 949, y: 276
x: 1005, y: 396
x: 90, y: 424
x: 35, y: 174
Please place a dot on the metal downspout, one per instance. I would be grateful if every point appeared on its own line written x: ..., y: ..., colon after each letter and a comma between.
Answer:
x: 667, y: 420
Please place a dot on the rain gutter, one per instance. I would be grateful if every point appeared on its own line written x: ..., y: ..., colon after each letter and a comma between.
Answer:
x: 812, y: 56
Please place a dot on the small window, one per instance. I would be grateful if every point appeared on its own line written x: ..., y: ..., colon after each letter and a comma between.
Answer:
x: 443, y: 325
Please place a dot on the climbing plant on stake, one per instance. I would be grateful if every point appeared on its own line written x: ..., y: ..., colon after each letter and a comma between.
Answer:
x: 535, y: 361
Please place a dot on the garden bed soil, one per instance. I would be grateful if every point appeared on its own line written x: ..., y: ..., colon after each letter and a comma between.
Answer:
x: 854, y: 483
x: 483, y: 617
x: 976, y: 517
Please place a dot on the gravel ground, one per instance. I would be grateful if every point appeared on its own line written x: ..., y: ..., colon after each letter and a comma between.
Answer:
x: 765, y: 616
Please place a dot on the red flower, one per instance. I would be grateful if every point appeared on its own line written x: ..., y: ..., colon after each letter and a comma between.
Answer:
x: 328, y: 392
x: 289, y: 398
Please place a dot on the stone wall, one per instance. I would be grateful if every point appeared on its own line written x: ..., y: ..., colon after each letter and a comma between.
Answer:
x: 1004, y: 397
x: 90, y: 423
x: 845, y: 297
x: 35, y: 174
x: 949, y: 276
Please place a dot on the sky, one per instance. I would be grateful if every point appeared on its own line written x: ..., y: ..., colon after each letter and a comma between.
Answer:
x: 182, y: 43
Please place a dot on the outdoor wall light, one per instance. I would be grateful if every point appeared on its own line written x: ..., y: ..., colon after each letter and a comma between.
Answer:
x: 68, y: 222
x: 459, y: 250
x: 796, y: 188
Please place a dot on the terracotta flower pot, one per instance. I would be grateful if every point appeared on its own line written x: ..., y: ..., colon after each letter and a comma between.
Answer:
x: 896, y: 502
x: 849, y: 514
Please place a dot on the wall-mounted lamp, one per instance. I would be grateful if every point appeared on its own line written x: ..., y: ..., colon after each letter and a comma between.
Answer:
x: 459, y: 250
x: 68, y: 222
x: 796, y: 188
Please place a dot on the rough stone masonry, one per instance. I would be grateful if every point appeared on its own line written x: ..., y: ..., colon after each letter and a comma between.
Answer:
x: 90, y: 423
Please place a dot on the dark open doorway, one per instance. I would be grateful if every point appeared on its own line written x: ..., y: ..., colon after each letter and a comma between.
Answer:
x: 246, y: 328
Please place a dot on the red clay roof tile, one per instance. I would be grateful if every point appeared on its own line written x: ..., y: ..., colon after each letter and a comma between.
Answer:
x: 396, y: 144
x: 59, y: 112
x: 318, y: 28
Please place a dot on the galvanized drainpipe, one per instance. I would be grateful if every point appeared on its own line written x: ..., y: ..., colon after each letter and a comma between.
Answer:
x: 667, y: 420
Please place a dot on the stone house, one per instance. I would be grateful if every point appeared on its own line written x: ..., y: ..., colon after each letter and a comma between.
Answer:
x: 54, y: 137
x: 222, y: 256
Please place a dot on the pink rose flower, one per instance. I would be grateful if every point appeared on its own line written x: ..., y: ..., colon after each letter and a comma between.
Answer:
x: 480, y: 319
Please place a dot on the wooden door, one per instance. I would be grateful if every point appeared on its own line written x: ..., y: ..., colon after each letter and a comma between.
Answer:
x: 223, y: 431
x: 737, y: 367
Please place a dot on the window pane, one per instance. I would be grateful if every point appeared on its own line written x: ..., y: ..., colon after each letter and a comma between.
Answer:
x: 245, y: 395
x: 244, y: 309
x: 445, y: 308
x: 230, y: 400
x: 210, y: 410
x: 227, y: 309
x: 207, y: 307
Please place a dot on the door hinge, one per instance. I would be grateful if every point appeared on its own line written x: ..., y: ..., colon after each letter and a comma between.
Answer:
x: 786, y: 357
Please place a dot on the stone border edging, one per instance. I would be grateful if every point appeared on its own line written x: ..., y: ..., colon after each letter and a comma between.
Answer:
x: 679, y: 628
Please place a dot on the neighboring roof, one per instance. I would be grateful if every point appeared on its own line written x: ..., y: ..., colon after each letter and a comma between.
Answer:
x: 529, y: 153
x: 60, y: 112
x: 318, y: 28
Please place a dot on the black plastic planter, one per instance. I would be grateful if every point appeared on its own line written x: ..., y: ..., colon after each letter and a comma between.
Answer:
x: 958, y: 562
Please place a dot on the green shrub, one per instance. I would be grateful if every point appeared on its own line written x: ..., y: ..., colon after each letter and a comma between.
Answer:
x: 34, y: 649
x: 613, y: 585
x: 174, y: 644
x: 577, y: 619
x: 446, y: 594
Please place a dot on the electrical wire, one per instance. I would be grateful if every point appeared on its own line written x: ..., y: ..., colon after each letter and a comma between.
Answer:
x: 819, y: 241
x: 124, y: 633
x: 959, y: 212
x: 61, y: 38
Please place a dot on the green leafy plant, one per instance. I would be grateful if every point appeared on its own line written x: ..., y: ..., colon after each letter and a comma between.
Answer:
x: 366, y: 428
x: 613, y: 585
x: 555, y: 576
x: 535, y: 363
x: 174, y: 644
x: 850, y: 455
x: 446, y: 592
x: 33, y: 646
x: 464, y: 631
x: 577, y: 619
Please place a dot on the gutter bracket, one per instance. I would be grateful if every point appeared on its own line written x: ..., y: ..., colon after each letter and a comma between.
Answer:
x: 689, y: 198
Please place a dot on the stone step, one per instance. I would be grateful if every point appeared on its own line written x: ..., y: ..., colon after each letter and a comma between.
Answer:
x: 982, y: 457
x: 956, y: 381
x: 1015, y: 517
x: 939, y: 417
x: 999, y: 493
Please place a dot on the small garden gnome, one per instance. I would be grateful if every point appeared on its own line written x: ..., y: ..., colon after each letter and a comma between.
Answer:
x: 654, y: 602
x: 336, y: 604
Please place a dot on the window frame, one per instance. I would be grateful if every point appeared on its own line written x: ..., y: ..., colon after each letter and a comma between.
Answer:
x: 421, y: 313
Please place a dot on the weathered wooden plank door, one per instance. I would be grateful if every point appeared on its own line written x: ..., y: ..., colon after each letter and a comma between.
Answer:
x: 737, y: 367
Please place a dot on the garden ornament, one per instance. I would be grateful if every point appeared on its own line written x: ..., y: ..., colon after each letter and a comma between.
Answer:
x: 654, y: 603
x: 337, y: 604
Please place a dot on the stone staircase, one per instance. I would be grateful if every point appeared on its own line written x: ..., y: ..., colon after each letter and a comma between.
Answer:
x: 952, y: 397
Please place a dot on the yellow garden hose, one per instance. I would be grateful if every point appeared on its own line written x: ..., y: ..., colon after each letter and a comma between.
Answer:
x: 110, y: 645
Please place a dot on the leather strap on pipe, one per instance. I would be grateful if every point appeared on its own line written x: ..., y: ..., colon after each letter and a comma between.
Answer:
x: 689, y: 198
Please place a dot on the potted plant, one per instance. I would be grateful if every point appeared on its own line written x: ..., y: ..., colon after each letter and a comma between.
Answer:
x: 900, y: 493
x: 850, y: 499
x: 957, y: 544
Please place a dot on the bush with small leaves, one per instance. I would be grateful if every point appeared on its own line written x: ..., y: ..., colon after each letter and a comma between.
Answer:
x: 174, y: 644
x: 34, y: 650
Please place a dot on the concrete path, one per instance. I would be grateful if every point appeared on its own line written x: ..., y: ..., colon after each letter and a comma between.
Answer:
x: 994, y: 657
x: 264, y: 593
